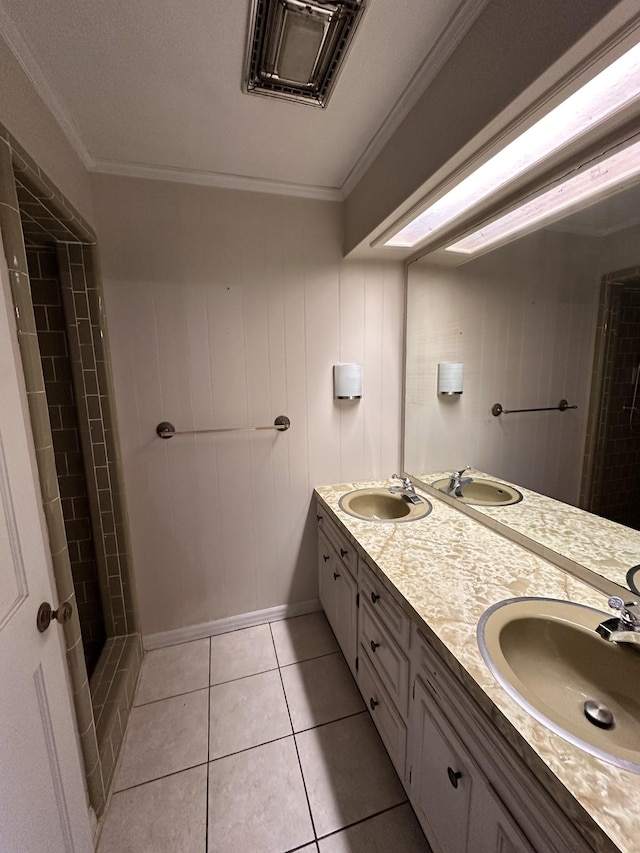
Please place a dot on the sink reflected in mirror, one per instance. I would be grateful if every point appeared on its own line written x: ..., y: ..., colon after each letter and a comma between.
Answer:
x: 380, y: 505
x: 547, y: 656
x: 483, y: 493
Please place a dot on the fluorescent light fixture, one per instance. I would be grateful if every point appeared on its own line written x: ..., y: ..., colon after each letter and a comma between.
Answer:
x: 570, y: 195
x: 606, y: 94
x: 296, y: 47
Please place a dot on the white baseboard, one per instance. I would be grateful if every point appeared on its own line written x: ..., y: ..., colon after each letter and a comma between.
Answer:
x: 231, y: 623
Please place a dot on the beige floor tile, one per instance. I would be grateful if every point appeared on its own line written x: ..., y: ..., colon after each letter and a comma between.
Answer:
x: 397, y: 829
x: 347, y: 773
x: 164, y: 737
x: 165, y: 816
x: 319, y: 691
x: 174, y: 670
x: 241, y: 653
x: 302, y: 638
x: 246, y: 713
x: 257, y: 801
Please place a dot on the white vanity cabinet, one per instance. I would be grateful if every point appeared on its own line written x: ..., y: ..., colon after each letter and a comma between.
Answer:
x: 470, y: 790
x: 449, y: 793
x: 338, y: 588
x: 383, y: 663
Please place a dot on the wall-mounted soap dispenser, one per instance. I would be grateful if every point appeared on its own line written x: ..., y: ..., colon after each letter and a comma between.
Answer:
x: 347, y: 381
x: 450, y: 378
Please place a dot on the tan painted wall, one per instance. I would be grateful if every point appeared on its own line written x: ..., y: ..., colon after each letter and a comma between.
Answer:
x: 27, y: 117
x: 229, y: 308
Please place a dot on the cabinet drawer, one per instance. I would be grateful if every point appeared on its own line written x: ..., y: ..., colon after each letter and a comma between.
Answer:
x: 386, y: 657
x: 341, y: 545
x: 388, y: 721
x: 389, y: 612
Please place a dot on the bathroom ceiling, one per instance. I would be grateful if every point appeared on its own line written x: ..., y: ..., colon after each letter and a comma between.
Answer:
x: 154, y: 87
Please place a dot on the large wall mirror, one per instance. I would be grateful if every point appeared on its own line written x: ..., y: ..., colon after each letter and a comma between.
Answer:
x: 552, y: 315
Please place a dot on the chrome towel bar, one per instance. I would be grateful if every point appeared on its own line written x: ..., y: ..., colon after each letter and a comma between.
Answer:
x: 562, y: 406
x: 167, y: 430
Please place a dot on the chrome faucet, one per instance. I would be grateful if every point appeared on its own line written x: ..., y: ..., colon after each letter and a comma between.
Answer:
x: 624, y: 628
x: 457, y: 482
x: 407, y: 489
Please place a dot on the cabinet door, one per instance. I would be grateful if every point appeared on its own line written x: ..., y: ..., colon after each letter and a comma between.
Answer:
x: 440, y: 782
x: 337, y: 591
x: 346, y: 615
x: 326, y: 591
x: 491, y: 827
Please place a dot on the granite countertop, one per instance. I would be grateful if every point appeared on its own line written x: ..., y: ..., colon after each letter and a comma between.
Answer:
x: 446, y: 570
x: 564, y: 533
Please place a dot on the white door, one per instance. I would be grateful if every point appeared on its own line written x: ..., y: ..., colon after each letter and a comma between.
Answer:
x: 43, y: 801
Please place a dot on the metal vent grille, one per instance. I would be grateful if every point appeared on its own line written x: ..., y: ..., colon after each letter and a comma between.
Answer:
x: 295, y: 48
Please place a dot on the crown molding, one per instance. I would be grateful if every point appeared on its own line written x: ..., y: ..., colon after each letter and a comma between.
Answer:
x: 47, y: 93
x: 444, y: 46
x: 214, y: 179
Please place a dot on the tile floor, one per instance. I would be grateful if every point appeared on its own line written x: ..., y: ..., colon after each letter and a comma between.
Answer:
x: 256, y: 741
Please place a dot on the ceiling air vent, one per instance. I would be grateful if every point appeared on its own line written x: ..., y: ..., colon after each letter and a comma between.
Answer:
x: 296, y: 48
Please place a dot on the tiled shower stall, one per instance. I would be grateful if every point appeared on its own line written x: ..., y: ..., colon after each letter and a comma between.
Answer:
x: 55, y: 284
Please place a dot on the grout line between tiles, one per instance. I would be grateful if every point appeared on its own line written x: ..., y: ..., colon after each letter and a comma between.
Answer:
x: 206, y: 814
x: 295, y: 743
x: 315, y: 657
x: 170, y: 696
x: 240, y: 677
x: 328, y: 722
x: 364, y: 819
x: 164, y: 776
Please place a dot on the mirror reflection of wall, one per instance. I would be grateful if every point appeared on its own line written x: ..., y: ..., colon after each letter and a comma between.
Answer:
x: 523, y: 319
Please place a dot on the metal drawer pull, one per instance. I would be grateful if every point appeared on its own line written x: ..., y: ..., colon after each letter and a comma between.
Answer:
x: 319, y: 517
x: 343, y: 552
x: 454, y: 775
x: 374, y: 646
x: 325, y: 557
x: 336, y: 575
x: 373, y: 703
x: 374, y: 597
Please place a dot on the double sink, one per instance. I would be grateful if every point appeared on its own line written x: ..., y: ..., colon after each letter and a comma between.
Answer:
x: 544, y: 652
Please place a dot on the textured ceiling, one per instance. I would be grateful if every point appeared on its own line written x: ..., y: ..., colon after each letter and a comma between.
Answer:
x: 157, y: 83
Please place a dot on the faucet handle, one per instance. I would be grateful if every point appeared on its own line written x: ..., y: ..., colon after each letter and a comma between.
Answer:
x: 406, y: 482
x: 629, y: 611
x: 462, y: 470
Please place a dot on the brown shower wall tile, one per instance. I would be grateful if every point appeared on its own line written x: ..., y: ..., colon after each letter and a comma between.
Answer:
x: 71, y: 481
x: 47, y: 219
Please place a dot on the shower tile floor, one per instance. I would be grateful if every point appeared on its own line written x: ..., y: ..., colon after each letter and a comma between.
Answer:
x: 255, y: 741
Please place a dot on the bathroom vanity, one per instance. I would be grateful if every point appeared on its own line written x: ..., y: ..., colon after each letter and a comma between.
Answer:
x: 483, y: 775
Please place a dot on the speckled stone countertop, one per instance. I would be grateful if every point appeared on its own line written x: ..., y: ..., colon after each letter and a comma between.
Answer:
x: 558, y: 531
x: 446, y: 570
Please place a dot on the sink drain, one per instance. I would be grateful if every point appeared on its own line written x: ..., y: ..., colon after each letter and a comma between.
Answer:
x: 598, y: 714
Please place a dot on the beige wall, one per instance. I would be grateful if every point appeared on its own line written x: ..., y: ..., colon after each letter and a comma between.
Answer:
x: 25, y: 115
x: 228, y: 308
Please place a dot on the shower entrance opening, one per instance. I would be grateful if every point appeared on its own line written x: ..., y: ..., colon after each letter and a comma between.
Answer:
x: 612, y: 458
